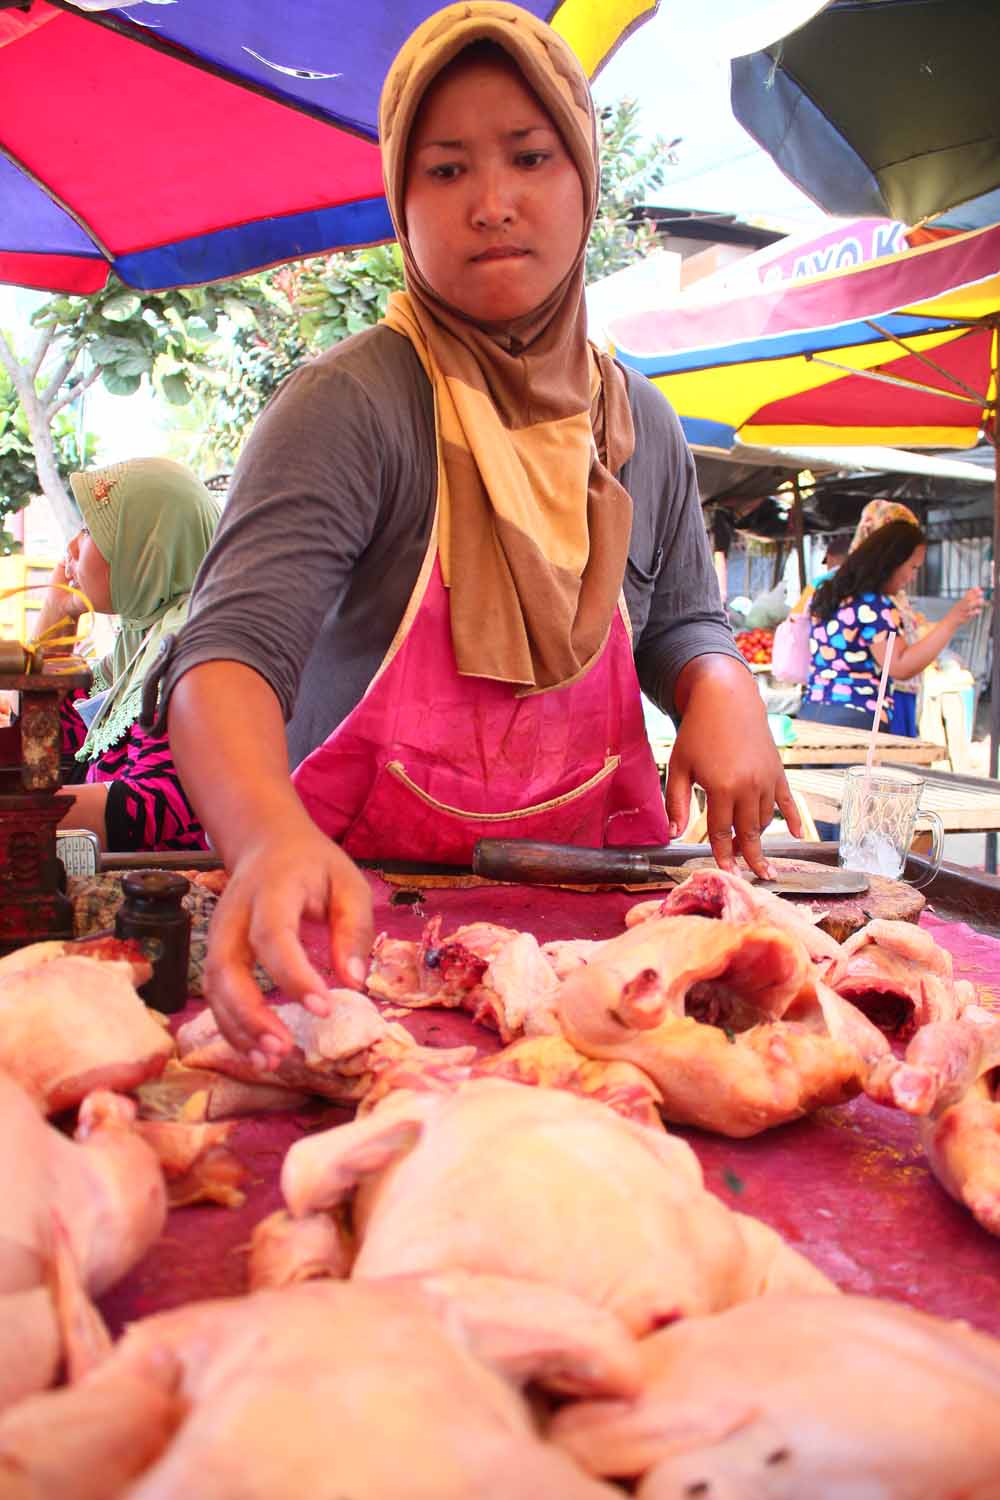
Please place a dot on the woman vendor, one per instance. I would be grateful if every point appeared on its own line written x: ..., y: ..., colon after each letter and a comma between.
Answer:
x: 147, y: 526
x: 425, y: 545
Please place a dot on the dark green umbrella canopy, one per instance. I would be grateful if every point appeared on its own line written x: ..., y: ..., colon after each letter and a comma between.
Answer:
x: 888, y: 107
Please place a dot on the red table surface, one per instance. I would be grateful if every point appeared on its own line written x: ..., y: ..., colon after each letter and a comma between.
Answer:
x: 849, y: 1187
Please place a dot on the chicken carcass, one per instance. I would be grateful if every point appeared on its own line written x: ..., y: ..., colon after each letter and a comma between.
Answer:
x: 900, y: 977
x: 333, y: 1390
x: 542, y: 1187
x: 70, y: 1024
x: 102, y: 1193
x: 730, y: 898
x: 336, y: 1055
x: 500, y: 976
x: 729, y: 1020
x: 846, y: 1399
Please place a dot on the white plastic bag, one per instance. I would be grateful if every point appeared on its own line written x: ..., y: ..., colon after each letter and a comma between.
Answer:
x: 790, y: 653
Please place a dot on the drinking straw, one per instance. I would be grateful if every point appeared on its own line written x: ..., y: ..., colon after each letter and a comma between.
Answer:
x: 866, y: 784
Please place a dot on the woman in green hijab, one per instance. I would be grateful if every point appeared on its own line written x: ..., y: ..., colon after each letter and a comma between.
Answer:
x: 147, y: 525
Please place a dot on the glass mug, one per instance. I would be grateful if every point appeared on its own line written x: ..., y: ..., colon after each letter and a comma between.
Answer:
x: 877, y: 821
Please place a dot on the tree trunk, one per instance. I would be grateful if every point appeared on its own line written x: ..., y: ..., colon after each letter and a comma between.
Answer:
x: 37, y: 416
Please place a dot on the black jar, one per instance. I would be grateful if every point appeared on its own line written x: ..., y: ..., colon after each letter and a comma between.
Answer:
x: 152, y: 914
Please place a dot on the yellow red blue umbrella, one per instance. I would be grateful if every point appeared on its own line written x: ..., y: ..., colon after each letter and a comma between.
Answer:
x: 901, y: 350
x: 184, y: 141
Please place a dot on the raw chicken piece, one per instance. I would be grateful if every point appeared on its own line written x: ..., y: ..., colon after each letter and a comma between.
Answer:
x: 195, y: 1094
x: 85, y: 1211
x: 728, y: 1020
x: 69, y: 1025
x: 104, y: 949
x: 803, y: 1398
x: 950, y: 1077
x: 567, y: 954
x: 500, y: 976
x: 87, y: 1441
x: 717, y: 893
x: 898, y: 975
x: 284, y: 1251
x: 333, y: 1390
x: 335, y: 1055
x: 197, y: 1164
x: 430, y: 971
x: 553, y: 1062
x: 942, y: 1062
x: 545, y: 1061
x: 539, y: 1186
x: 962, y: 1142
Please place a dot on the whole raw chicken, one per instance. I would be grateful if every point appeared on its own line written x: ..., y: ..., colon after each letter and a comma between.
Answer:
x: 332, y: 1391
x: 71, y: 1023
x: 803, y: 1398
x: 76, y: 1217
x: 730, y: 1020
x: 544, y: 1187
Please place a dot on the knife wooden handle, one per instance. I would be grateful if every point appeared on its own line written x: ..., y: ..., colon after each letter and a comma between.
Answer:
x: 531, y: 863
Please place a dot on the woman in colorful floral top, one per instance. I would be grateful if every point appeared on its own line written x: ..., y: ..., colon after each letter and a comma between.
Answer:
x: 905, y: 694
x: 147, y: 526
x: 853, y: 616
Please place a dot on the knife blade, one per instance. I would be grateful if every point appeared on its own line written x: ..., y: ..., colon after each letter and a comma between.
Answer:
x: 815, y: 883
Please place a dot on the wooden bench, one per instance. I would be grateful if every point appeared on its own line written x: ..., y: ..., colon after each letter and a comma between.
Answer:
x: 967, y: 804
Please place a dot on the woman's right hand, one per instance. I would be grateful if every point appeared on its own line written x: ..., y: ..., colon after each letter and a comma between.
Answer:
x: 70, y: 605
x: 58, y: 604
x: 967, y: 607
x: 278, y: 879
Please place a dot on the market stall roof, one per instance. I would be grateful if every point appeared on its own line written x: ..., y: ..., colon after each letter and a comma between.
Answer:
x: 182, y: 141
x: 840, y: 482
x: 873, y: 459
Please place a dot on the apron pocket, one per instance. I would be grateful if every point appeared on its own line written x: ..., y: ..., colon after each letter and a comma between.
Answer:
x: 400, y: 820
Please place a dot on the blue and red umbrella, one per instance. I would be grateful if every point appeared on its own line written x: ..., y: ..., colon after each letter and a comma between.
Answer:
x: 183, y: 141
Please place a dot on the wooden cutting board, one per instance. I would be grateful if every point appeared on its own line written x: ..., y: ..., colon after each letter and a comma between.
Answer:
x: 892, y: 900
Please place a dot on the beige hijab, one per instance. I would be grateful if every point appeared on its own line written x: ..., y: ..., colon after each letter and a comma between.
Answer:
x: 532, y: 422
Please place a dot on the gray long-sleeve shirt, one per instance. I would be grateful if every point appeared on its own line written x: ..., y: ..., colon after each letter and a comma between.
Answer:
x: 328, y: 518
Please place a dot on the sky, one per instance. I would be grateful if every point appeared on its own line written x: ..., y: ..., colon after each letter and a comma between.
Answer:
x: 678, y: 70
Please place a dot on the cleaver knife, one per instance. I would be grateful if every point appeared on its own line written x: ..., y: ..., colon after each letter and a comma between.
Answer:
x: 528, y: 862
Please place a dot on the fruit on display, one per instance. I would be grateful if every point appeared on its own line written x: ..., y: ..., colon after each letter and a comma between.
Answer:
x: 755, y: 646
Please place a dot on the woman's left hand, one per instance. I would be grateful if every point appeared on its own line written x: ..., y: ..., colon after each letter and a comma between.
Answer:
x: 725, y: 745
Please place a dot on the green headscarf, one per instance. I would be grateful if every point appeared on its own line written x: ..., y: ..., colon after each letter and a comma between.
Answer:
x: 152, y: 520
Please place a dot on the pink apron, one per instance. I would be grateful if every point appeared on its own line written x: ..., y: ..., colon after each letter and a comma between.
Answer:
x: 429, y: 761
